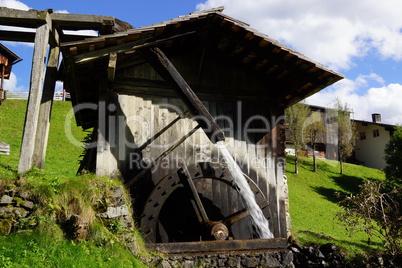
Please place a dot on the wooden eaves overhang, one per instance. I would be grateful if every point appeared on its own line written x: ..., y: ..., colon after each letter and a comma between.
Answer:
x: 288, y: 76
x: 7, y: 60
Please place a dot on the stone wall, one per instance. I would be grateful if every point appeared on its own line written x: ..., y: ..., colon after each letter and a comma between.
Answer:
x: 16, y: 207
x: 278, y: 259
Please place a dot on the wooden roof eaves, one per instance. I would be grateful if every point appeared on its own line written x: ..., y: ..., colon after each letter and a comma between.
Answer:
x: 9, y: 54
x: 198, y: 15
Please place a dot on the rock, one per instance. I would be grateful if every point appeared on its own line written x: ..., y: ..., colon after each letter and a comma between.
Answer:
x: 28, y: 205
x: 164, y: 264
x: 250, y: 262
x: 113, y: 212
x: 188, y: 264
x: 221, y: 262
x: 269, y: 261
x: 25, y: 195
x: 5, y: 226
x: 287, y: 258
x: 233, y: 262
x: 117, y: 197
x: 12, y: 212
x: 6, y: 200
x: 76, y: 227
x: 21, y: 181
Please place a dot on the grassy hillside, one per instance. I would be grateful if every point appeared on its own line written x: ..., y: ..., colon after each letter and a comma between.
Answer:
x: 314, y: 203
x: 47, y: 245
x: 62, y: 157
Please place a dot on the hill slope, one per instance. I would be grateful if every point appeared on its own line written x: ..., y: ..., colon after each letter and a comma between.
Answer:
x: 314, y: 203
x: 62, y: 157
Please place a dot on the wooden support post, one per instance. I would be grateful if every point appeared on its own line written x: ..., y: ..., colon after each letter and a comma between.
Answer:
x: 106, y: 159
x: 111, y: 66
x: 42, y: 132
x: 32, y: 113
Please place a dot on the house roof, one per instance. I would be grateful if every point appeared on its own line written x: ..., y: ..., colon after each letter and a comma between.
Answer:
x: 288, y: 75
x: 12, y: 57
x: 388, y: 127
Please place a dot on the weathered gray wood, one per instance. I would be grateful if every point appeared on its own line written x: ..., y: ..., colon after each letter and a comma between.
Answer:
x: 129, y: 46
x: 166, y: 69
x: 111, y: 70
x: 4, y: 148
x: 32, y: 114
x: 106, y: 158
x: 32, y: 18
x: 46, y: 106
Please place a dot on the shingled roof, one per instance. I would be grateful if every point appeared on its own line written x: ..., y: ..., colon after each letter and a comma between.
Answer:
x: 289, y: 76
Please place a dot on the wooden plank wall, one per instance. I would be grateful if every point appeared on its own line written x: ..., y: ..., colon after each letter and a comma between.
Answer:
x: 145, y: 116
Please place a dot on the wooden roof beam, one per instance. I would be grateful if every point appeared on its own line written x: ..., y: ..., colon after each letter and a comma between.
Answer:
x: 34, y: 18
x: 22, y: 18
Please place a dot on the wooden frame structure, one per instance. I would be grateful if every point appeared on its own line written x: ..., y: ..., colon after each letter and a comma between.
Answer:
x: 50, y: 33
x: 131, y: 74
x: 205, y: 55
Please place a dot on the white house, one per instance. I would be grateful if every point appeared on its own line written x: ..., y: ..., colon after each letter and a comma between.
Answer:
x: 371, y: 140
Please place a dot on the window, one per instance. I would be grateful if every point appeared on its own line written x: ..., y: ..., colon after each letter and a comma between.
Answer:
x: 376, y: 133
x: 362, y: 136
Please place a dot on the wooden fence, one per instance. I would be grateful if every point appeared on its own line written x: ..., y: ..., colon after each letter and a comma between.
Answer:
x: 4, y: 148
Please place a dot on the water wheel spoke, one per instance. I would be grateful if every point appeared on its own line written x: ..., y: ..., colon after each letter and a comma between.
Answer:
x: 241, y: 214
x: 188, y: 184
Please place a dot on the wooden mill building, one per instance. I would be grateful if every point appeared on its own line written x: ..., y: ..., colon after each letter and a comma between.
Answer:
x: 159, y: 97
x: 128, y: 87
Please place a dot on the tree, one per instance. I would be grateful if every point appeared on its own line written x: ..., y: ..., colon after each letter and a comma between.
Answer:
x: 313, y: 133
x: 295, y: 117
x: 393, y: 157
x: 346, y: 132
x: 376, y: 211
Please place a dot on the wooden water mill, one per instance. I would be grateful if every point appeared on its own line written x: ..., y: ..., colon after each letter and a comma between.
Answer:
x: 160, y: 97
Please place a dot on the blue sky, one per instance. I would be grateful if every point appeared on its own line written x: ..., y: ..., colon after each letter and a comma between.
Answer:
x: 362, y: 39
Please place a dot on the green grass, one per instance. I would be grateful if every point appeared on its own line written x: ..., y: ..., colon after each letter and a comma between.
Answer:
x: 314, y: 203
x: 49, y: 249
x: 62, y: 158
x: 55, y: 186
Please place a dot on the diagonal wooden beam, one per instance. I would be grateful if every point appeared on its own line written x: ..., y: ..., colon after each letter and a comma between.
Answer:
x: 32, y: 113
x: 166, y: 69
x: 42, y: 132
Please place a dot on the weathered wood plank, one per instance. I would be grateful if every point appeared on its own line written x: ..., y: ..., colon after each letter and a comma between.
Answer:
x: 46, y: 106
x: 106, y: 159
x: 32, y: 114
x: 111, y: 70
x: 32, y: 18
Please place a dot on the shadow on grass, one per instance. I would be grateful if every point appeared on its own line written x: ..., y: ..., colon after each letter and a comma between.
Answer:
x: 8, y: 168
x: 348, y: 184
x: 365, y: 245
x: 330, y: 194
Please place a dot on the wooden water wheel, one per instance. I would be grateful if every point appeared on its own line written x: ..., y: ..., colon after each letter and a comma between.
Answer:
x: 181, y: 208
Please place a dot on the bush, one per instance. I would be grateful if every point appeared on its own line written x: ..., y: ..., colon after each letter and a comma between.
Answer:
x: 393, y: 157
x: 377, y: 212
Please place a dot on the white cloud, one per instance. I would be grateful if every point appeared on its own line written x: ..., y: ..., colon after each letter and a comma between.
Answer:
x: 13, y: 4
x: 12, y: 84
x: 384, y: 100
x: 331, y: 32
